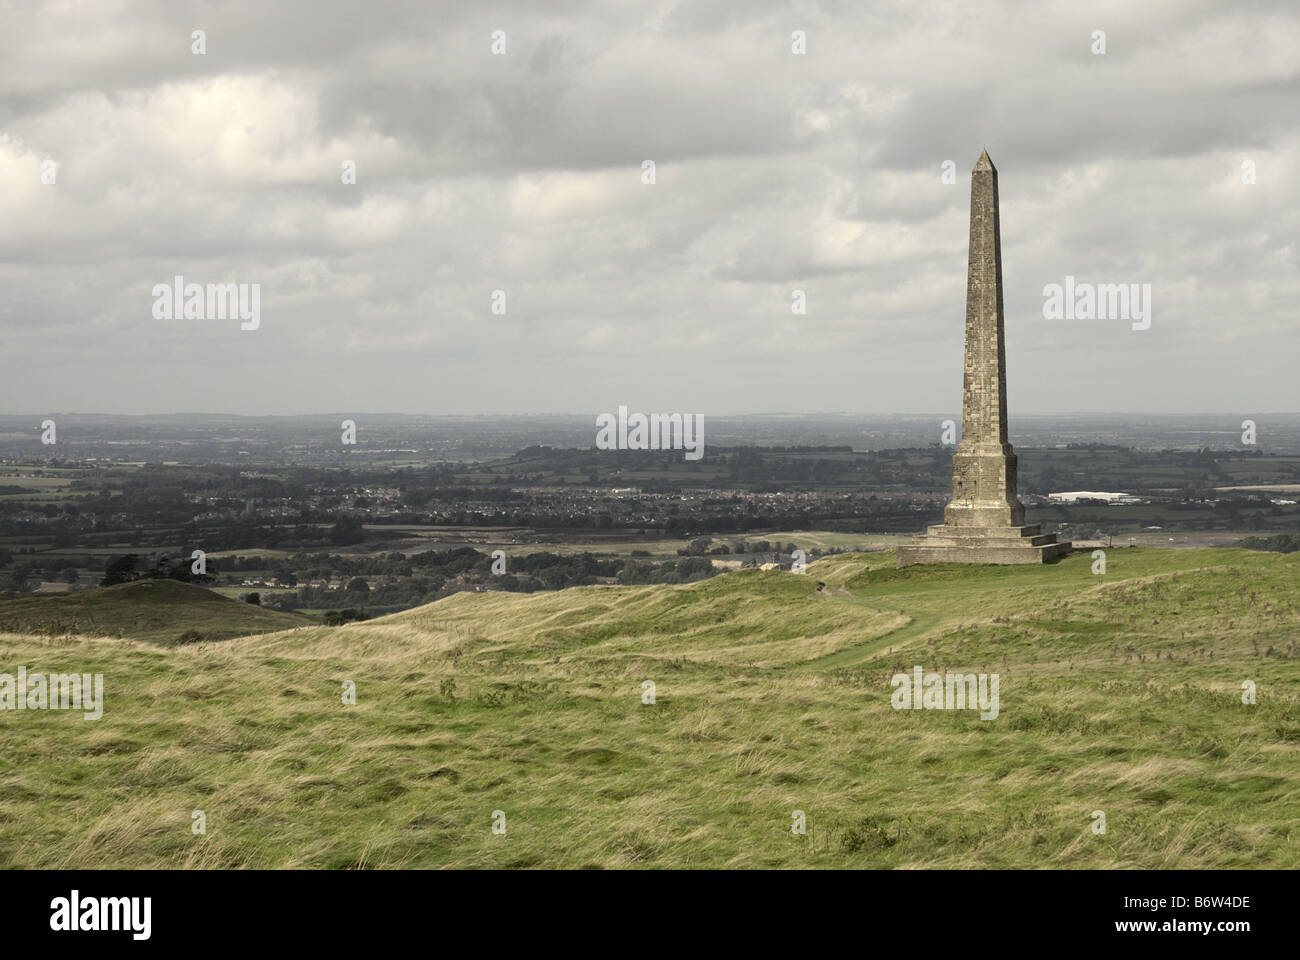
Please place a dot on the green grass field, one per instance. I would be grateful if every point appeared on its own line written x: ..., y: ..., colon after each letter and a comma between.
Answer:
x: 1119, y: 692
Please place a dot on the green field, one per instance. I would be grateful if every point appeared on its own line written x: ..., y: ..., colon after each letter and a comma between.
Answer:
x: 237, y: 592
x: 1119, y: 692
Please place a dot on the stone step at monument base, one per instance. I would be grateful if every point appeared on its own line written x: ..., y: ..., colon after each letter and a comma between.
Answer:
x: 1026, y: 532
x: 995, y: 545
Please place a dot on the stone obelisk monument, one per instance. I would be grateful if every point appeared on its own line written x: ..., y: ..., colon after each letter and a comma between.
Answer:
x: 985, y: 522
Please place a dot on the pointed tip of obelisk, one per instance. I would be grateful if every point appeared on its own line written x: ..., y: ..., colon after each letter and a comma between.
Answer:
x: 984, y: 163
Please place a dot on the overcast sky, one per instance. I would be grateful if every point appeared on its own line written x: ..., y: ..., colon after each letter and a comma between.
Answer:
x: 522, y: 172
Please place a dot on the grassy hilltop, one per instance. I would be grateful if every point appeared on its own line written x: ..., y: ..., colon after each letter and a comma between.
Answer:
x: 1119, y: 692
x: 158, y: 611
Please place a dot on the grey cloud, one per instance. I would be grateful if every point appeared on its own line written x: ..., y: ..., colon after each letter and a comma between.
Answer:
x: 522, y: 173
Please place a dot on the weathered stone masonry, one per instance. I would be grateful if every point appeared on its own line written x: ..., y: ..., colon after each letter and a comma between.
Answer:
x: 985, y: 521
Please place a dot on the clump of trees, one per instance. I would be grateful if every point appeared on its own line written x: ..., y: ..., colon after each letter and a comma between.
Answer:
x: 131, y: 566
x: 1281, y: 543
x: 336, y: 618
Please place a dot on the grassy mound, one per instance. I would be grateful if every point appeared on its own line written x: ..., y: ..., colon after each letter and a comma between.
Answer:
x: 156, y: 611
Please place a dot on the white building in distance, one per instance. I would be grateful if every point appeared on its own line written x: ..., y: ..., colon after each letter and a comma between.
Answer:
x: 1074, y: 496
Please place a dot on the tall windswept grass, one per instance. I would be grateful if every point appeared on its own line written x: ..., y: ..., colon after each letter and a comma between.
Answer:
x: 1120, y: 693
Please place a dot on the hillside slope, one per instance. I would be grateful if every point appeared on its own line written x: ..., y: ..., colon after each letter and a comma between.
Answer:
x: 1119, y: 693
x: 156, y: 611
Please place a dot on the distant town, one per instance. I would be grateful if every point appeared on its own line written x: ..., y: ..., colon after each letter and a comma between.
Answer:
x: 284, y: 515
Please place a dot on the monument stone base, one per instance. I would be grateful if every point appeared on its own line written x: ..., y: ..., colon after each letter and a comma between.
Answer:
x: 997, y: 545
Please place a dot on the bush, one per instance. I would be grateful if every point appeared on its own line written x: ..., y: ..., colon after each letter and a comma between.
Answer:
x: 336, y: 618
x: 1282, y: 543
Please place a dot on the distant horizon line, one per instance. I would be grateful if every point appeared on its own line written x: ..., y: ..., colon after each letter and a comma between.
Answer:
x: 758, y: 413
